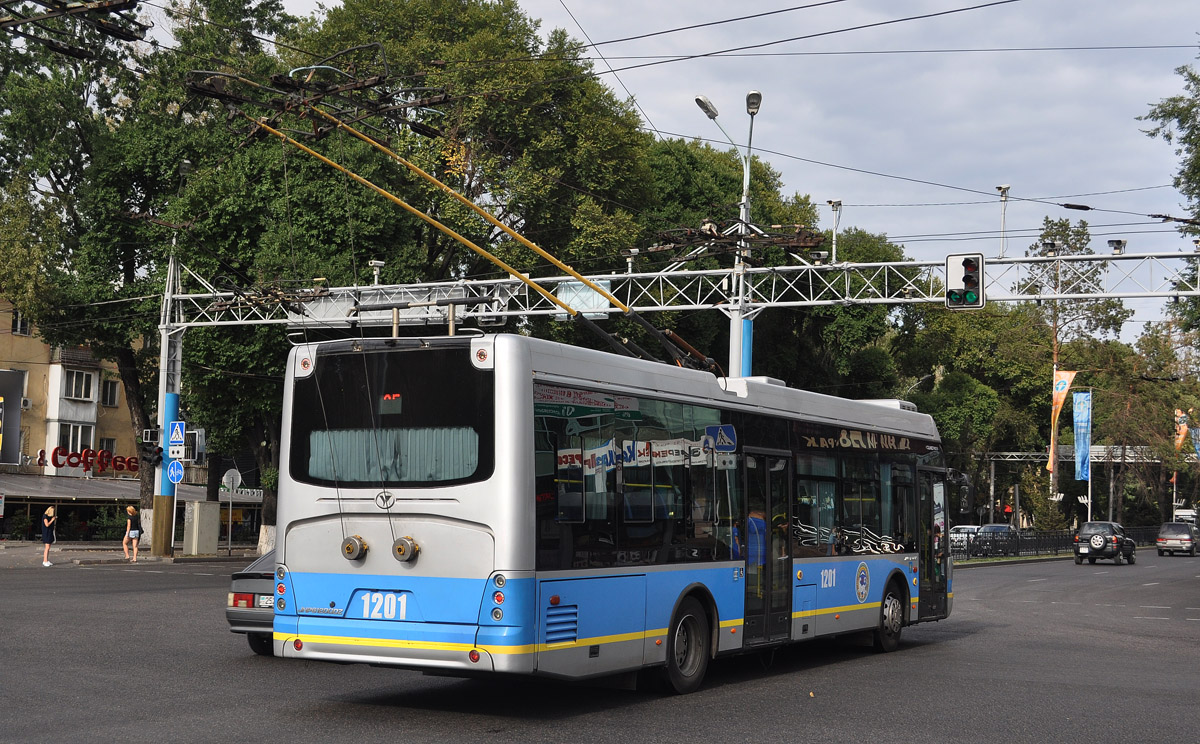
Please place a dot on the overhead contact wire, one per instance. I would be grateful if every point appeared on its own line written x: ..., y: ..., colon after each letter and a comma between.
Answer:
x: 418, y: 213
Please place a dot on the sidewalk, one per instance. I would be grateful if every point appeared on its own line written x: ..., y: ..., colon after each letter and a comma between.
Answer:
x: 21, y: 554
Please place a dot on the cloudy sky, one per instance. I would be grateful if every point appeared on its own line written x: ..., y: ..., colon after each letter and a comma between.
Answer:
x: 911, y: 113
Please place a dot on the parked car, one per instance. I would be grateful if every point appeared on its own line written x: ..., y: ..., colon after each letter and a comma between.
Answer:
x: 962, y: 536
x: 1173, y: 536
x: 1097, y: 540
x: 996, y: 539
x: 251, y: 605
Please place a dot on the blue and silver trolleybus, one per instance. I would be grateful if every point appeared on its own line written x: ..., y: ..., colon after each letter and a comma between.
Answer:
x: 501, y: 504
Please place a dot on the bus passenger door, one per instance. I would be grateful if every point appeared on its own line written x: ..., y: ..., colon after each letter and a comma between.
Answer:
x: 768, y: 614
x: 934, y: 549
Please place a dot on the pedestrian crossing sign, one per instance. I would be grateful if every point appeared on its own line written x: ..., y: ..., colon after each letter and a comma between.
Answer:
x: 724, y: 437
x: 175, y: 433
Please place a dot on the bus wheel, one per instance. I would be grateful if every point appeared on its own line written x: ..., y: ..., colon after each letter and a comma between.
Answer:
x: 687, y: 647
x: 891, y: 620
x: 261, y: 643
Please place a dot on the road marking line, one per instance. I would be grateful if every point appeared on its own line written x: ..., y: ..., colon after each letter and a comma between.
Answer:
x: 1033, y: 580
x: 1152, y: 583
x: 1140, y: 617
x: 1153, y: 607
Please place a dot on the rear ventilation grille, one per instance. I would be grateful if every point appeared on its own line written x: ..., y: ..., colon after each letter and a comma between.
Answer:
x: 562, y: 624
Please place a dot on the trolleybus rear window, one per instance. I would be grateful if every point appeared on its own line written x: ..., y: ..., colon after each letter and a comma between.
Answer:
x: 397, y: 418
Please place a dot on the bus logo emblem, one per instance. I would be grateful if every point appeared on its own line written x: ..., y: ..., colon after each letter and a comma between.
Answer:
x: 862, y: 582
x: 384, y: 499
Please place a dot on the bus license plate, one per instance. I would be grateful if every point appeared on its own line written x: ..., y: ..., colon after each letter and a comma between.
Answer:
x: 266, y: 600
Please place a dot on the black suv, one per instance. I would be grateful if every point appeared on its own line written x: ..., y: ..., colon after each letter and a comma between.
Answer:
x: 1104, y: 540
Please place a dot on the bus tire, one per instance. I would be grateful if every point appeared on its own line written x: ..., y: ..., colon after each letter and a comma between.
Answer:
x: 688, y: 641
x: 891, y: 620
x: 261, y: 643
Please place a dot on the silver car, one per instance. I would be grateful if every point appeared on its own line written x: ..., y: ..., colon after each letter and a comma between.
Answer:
x: 251, y: 605
x: 1177, y: 536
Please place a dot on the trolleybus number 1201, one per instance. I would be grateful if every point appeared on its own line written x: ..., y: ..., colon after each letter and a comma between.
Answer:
x: 384, y: 605
x: 828, y: 578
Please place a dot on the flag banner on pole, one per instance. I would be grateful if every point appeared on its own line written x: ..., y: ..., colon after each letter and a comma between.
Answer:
x: 1181, y: 428
x: 1081, y: 406
x: 1195, y: 432
x: 1062, y: 383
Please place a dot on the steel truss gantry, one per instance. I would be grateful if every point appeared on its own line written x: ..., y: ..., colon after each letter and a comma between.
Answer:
x: 1167, y: 274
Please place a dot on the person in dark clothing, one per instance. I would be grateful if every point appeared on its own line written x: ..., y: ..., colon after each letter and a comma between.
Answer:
x: 133, y: 533
x: 48, y: 520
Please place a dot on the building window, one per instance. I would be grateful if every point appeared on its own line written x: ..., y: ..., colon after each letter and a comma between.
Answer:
x: 108, y: 443
x: 110, y: 393
x: 75, y: 437
x: 79, y: 385
x: 20, y: 324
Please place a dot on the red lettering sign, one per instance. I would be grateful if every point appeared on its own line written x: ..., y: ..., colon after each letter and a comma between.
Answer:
x: 101, y: 461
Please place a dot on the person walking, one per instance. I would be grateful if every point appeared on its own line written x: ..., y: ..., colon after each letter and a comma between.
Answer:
x: 48, y: 520
x: 133, y: 533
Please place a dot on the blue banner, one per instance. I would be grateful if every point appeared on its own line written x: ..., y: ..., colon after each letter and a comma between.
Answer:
x: 1082, y: 405
x: 1195, y: 432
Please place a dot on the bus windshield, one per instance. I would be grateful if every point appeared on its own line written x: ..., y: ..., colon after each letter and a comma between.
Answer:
x: 401, y: 418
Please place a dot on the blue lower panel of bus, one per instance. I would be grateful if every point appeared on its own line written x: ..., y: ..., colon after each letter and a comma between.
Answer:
x: 591, y: 625
x: 421, y: 622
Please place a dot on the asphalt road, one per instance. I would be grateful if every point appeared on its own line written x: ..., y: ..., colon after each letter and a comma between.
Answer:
x: 1034, y: 652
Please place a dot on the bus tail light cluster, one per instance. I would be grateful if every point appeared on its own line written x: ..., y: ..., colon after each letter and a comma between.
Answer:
x: 498, y: 598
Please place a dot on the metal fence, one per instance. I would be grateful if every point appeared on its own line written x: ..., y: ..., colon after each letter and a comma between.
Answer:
x: 1035, y: 543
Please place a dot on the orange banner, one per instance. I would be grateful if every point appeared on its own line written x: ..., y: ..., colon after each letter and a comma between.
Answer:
x: 1062, y: 383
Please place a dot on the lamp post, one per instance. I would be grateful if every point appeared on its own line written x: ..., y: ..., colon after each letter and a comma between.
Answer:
x: 836, y: 206
x: 1003, y: 189
x: 741, y: 327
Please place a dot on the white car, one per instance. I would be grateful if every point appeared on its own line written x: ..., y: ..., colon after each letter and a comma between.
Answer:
x: 962, y: 536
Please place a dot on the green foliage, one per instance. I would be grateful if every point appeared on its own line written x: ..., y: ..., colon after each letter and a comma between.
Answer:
x: 270, y: 478
x: 108, y: 523
x: 1035, y: 493
x: 964, y: 409
x: 18, y: 525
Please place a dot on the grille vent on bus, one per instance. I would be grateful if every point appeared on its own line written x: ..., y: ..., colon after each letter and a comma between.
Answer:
x: 562, y: 624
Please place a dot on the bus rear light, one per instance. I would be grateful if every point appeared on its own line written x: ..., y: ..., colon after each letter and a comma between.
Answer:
x: 241, y: 600
x: 500, y: 581
x: 497, y: 614
x: 498, y: 597
x: 298, y: 644
x: 280, y: 588
x: 554, y: 600
x: 473, y: 656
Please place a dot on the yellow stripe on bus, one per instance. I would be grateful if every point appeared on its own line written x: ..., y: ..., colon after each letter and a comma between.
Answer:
x: 835, y: 610
x: 495, y: 650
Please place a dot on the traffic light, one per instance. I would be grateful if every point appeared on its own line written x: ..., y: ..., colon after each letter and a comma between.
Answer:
x: 964, y: 281
x: 156, y: 457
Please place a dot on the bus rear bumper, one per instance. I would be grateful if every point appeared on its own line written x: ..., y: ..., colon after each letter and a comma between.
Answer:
x: 435, y: 647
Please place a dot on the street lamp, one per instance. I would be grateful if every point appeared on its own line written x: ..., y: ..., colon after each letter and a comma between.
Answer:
x: 836, y: 206
x: 741, y: 328
x: 1003, y: 189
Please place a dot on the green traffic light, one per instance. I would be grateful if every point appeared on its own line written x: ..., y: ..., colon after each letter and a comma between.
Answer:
x: 954, y: 296
x: 972, y: 298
